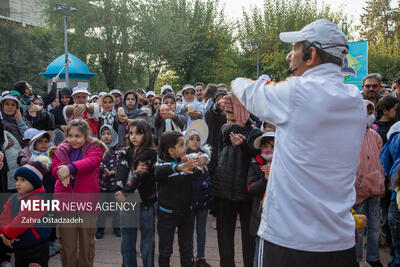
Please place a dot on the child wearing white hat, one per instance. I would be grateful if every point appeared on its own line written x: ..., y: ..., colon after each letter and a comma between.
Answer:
x: 194, y: 109
x: 195, y: 139
x: 257, y: 179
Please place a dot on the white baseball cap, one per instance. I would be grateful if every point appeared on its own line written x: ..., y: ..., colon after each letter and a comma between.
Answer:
x: 188, y: 86
x: 165, y: 87
x: 323, y: 34
x: 77, y: 90
x: 93, y: 97
x: 149, y: 93
x: 116, y: 91
x: 12, y: 98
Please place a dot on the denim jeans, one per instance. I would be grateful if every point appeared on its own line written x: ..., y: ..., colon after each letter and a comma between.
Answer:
x: 101, y: 216
x: 129, y: 237
x: 371, y: 208
x: 200, y: 220
x: 394, y: 223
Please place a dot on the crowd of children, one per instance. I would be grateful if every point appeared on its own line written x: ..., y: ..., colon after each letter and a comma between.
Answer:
x: 112, y: 147
x: 184, y: 159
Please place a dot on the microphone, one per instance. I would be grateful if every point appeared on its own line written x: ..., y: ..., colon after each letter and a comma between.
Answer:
x: 291, y: 71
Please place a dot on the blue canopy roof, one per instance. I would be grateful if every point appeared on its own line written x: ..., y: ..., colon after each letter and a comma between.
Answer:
x: 77, y: 68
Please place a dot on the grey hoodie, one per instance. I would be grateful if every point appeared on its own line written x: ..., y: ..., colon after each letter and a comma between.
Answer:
x: 114, y: 136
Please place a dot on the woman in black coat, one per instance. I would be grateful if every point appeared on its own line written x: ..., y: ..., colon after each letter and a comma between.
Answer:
x: 65, y: 99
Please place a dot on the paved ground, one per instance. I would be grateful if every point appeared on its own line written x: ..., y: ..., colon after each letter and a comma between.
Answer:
x: 108, y: 251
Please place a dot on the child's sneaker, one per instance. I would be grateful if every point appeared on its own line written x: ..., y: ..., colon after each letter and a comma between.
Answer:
x: 117, y: 232
x: 374, y: 263
x: 202, y: 263
x: 99, y: 234
x: 237, y: 222
x: 53, y: 248
x: 5, y: 264
x: 214, y: 223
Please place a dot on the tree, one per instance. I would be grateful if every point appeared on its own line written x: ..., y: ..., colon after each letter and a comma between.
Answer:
x: 384, y: 58
x: 380, y: 26
x: 379, y: 18
x: 25, y: 51
x: 100, y: 36
x: 264, y: 26
x: 209, y: 49
x: 189, y: 37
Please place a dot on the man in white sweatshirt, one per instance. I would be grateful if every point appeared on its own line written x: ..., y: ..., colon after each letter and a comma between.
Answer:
x: 320, y: 124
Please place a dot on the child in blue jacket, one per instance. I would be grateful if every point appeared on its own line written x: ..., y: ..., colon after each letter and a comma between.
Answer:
x: 195, y: 138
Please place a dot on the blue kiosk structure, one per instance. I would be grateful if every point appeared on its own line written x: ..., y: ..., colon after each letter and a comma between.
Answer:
x: 79, y: 72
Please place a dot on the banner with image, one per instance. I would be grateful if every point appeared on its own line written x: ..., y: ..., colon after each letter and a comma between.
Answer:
x: 355, y: 66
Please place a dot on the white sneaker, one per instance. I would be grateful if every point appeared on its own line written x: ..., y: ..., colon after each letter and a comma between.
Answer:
x: 5, y: 264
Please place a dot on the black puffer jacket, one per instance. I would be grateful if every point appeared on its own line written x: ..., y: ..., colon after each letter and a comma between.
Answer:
x: 214, y: 119
x: 230, y: 179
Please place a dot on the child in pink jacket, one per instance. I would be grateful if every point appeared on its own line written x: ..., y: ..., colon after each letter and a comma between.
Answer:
x: 369, y: 187
x: 76, y: 166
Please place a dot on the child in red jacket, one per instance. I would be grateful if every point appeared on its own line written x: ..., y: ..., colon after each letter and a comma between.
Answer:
x: 20, y: 229
x: 76, y: 166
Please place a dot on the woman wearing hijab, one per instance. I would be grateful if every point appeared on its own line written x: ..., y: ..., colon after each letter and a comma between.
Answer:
x: 65, y: 99
x: 128, y: 112
x: 38, y: 117
x: 154, y: 105
x: 118, y: 98
x: 108, y: 115
x: 14, y: 129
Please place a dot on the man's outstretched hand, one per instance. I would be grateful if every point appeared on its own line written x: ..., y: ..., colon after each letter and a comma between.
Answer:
x: 231, y: 104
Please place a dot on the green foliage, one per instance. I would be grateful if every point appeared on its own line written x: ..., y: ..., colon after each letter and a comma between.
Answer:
x: 148, y: 43
x: 264, y: 26
x: 384, y: 58
x: 189, y: 37
x: 24, y: 52
x: 380, y: 26
x: 380, y: 17
x: 101, y: 30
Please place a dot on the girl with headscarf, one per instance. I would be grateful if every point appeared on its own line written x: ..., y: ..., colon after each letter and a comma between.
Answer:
x: 127, y: 113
